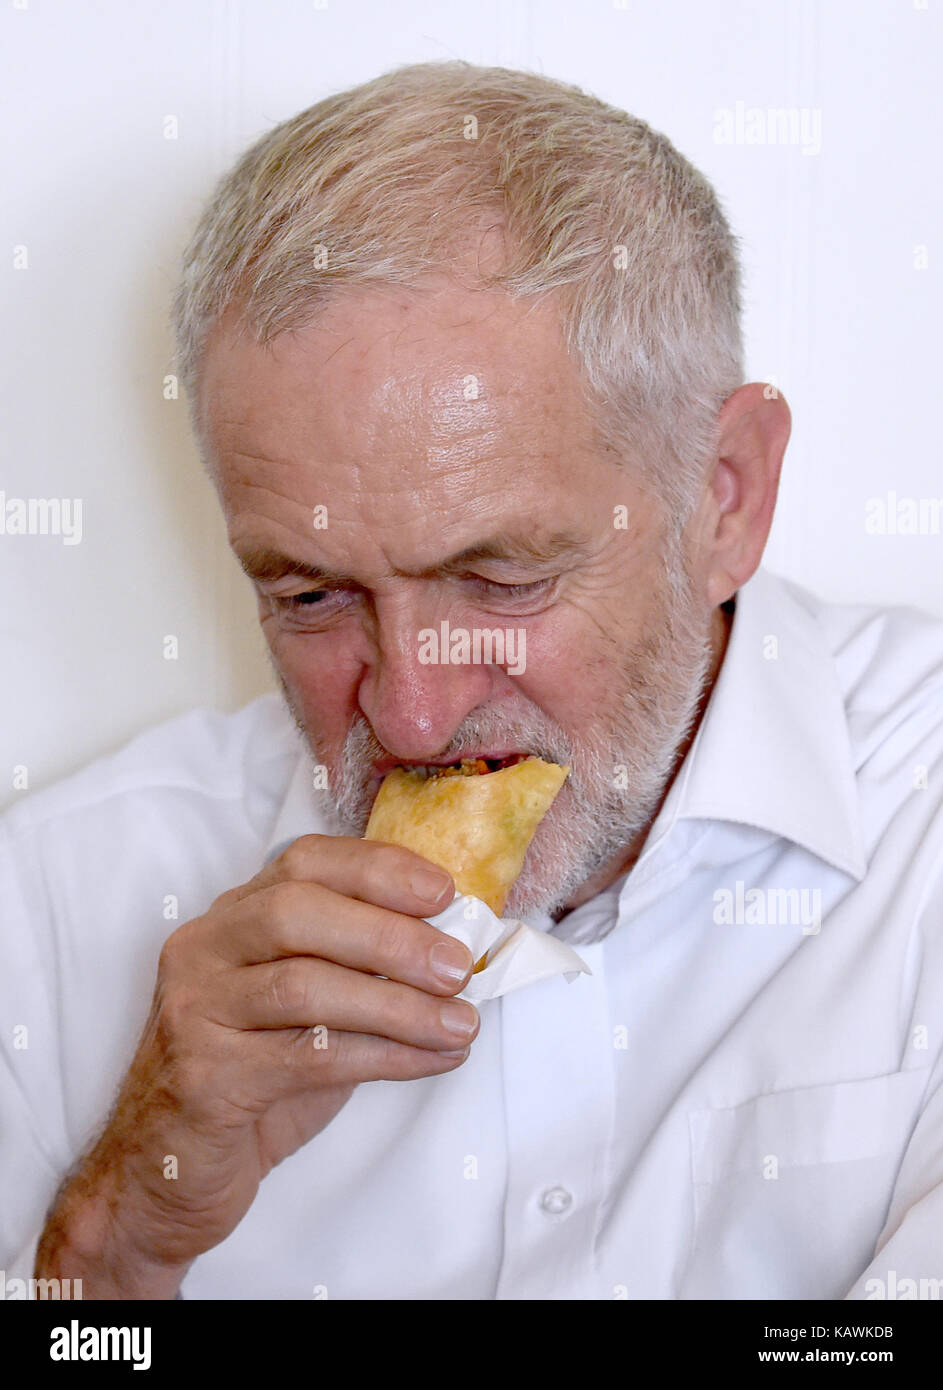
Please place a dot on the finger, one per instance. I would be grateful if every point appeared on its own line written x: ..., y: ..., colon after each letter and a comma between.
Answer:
x: 293, y: 918
x: 290, y: 1062
x: 386, y: 875
x: 302, y: 992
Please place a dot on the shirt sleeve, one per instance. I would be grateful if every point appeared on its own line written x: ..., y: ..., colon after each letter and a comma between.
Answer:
x: 22, y: 1267
x: 33, y: 1152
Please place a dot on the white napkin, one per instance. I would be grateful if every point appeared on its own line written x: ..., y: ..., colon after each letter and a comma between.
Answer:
x: 518, y: 955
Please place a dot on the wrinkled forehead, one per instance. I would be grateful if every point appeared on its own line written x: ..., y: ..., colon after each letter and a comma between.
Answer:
x: 392, y: 394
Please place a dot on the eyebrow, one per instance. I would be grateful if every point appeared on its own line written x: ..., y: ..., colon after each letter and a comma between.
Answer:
x: 265, y: 565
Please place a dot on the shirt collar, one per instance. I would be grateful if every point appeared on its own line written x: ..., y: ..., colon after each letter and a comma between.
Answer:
x: 772, y: 750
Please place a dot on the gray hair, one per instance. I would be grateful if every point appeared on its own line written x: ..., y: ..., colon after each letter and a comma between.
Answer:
x: 383, y: 183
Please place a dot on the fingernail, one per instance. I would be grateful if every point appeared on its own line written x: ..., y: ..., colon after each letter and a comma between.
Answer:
x: 430, y: 884
x: 450, y: 961
x: 459, y: 1017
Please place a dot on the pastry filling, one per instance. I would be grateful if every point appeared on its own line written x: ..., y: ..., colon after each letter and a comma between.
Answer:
x: 468, y: 767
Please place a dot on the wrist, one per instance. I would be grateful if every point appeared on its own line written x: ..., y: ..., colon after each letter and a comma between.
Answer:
x: 84, y: 1239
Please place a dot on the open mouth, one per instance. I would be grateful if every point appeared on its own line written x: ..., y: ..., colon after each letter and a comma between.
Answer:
x: 466, y: 767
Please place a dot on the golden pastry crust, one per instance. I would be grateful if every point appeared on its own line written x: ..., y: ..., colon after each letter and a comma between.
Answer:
x: 476, y: 825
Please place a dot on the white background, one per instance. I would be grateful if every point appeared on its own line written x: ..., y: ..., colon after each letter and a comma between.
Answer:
x: 838, y: 314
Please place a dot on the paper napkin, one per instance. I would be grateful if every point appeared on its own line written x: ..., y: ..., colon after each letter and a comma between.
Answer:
x: 518, y: 955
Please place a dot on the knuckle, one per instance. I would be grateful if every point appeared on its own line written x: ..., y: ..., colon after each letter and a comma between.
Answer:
x: 296, y: 860
x: 316, y: 1052
x: 290, y: 988
x: 395, y: 941
x: 227, y: 899
x: 284, y: 903
x: 175, y: 1009
x: 174, y: 952
x: 386, y: 866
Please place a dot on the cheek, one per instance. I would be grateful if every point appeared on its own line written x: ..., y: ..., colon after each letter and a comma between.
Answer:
x: 322, y: 677
x: 573, y: 667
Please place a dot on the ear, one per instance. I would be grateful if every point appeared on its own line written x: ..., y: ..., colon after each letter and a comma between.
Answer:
x: 739, y: 499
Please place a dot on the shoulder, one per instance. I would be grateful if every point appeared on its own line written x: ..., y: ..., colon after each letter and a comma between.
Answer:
x: 888, y: 665
x: 888, y: 662
x: 101, y: 864
x: 202, y: 754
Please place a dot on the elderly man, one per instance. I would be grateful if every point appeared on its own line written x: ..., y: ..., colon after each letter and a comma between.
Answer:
x: 462, y: 347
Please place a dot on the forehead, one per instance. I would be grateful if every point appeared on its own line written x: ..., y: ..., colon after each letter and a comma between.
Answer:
x: 392, y: 405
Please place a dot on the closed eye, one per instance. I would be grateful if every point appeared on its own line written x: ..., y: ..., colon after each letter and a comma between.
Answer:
x: 510, y: 591
x: 330, y: 600
x: 313, y: 598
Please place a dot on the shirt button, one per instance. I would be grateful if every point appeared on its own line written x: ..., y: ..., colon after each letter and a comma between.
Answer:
x: 555, y: 1201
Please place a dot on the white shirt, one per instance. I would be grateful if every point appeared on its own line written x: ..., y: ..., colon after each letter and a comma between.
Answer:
x: 722, y: 1109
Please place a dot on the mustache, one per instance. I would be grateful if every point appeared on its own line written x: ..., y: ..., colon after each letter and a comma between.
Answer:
x: 536, y: 735
x: 352, y: 782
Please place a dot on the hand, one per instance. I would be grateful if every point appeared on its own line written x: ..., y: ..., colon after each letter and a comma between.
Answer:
x: 268, y: 1011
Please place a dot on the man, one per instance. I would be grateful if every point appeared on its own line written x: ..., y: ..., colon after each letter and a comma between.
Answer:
x: 462, y: 352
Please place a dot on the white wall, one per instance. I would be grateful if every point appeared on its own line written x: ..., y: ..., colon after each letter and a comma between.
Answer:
x: 840, y: 313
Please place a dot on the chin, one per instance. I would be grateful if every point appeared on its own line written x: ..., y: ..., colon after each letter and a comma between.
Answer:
x: 544, y: 886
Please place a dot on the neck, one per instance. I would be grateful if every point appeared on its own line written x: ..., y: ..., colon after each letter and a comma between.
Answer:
x: 721, y: 623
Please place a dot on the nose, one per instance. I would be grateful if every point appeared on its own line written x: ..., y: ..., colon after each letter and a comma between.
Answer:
x: 413, y: 697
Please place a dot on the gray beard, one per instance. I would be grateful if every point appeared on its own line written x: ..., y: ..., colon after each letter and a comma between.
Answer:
x: 619, y: 770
